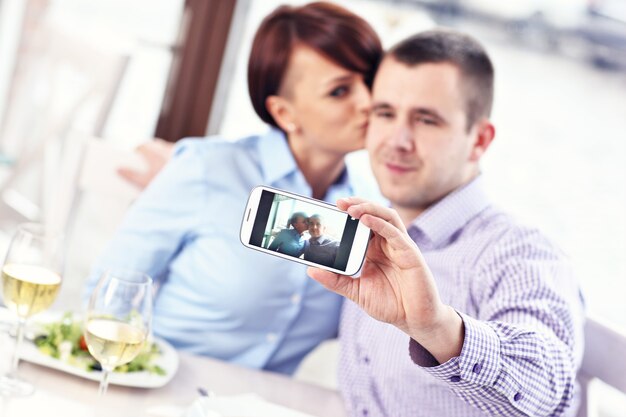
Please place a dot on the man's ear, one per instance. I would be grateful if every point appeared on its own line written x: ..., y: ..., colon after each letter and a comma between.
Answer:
x: 282, y: 111
x: 485, y: 133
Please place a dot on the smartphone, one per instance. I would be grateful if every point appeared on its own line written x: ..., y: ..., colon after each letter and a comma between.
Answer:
x: 304, y: 230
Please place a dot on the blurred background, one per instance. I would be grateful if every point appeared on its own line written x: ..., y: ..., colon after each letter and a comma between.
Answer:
x: 77, y: 74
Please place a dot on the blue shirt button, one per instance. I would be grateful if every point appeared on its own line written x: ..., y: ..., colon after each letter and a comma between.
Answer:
x: 455, y: 378
x: 366, y: 360
x: 517, y: 397
x: 477, y: 368
x: 365, y: 412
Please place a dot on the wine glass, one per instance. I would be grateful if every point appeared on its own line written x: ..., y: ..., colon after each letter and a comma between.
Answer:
x: 31, y: 278
x: 117, y: 323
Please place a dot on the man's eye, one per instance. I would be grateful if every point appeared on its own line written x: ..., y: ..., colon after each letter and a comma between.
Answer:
x: 339, y: 91
x: 384, y: 114
x: 426, y: 121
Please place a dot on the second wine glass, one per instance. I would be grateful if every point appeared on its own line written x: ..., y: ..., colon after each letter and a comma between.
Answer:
x: 118, y: 319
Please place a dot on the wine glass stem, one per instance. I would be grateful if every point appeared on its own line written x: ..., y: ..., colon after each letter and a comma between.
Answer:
x: 21, y: 325
x: 104, y: 382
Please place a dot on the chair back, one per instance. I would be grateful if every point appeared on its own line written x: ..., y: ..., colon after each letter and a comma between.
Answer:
x: 604, y: 360
x: 89, y: 166
x: 93, y: 201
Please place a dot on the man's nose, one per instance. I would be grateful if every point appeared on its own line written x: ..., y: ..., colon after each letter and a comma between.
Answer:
x: 402, y: 137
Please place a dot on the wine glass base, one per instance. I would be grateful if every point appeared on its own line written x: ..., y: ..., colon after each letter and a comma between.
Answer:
x: 13, y: 387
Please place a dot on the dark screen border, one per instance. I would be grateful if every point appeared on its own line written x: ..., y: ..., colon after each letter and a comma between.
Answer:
x: 345, y: 247
x: 263, y: 212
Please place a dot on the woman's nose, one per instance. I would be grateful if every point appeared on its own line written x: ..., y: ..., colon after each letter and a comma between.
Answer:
x: 363, y: 98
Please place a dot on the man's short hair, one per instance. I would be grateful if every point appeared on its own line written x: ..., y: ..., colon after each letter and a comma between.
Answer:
x: 316, y: 216
x: 462, y: 51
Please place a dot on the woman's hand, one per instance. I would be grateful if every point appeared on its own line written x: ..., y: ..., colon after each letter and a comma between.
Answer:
x: 156, y: 153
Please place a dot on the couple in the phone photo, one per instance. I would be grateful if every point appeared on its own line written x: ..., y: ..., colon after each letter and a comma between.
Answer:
x: 319, y: 248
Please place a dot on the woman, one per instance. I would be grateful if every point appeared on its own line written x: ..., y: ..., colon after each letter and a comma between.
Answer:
x: 290, y: 241
x: 309, y: 74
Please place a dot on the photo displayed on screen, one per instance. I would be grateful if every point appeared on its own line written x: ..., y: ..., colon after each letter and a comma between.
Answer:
x: 303, y: 230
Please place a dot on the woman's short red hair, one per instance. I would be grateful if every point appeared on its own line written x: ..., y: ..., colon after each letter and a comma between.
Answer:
x: 338, y: 34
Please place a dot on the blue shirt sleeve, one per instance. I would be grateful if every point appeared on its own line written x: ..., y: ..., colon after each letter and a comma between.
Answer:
x: 277, y: 241
x: 217, y: 297
x: 159, y: 222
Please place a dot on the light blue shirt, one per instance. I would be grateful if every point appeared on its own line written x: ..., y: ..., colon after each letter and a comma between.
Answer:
x: 217, y: 297
x: 289, y: 242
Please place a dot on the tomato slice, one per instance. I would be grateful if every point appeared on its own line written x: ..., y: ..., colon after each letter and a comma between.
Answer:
x: 82, y: 344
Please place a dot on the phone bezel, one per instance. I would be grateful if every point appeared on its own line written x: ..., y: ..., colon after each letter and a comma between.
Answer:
x: 359, y: 245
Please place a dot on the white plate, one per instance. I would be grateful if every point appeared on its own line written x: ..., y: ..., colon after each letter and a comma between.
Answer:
x: 167, y: 360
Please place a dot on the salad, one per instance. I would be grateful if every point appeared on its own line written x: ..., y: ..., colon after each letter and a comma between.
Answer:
x: 64, y: 340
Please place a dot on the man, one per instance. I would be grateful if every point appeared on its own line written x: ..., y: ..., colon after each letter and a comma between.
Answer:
x: 487, y: 318
x: 320, y: 248
x: 291, y: 241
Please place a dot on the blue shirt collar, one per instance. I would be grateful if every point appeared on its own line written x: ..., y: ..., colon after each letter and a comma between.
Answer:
x: 441, y: 221
x: 277, y: 161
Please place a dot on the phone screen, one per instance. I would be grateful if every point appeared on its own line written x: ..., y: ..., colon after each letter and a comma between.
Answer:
x: 304, y: 230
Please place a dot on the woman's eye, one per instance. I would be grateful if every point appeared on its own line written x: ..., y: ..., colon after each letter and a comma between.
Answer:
x: 339, y: 91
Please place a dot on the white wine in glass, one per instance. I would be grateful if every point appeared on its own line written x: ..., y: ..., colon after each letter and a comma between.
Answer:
x: 31, y: 279
x: 118, y: 319
x: 29, y: 289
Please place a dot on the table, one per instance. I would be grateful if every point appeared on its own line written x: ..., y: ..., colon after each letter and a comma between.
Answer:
x: 64, y: 395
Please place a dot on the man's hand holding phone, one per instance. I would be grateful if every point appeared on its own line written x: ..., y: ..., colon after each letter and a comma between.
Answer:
x: 396, y: 286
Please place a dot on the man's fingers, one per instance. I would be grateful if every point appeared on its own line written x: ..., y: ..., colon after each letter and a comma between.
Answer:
x: 344, y: 203
x: 356, y: 207
x: 395, y: 237
x: 341, y: 284
x: 387, y: 214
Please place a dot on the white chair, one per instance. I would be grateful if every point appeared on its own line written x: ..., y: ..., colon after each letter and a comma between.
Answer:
x: 604, y: 360
x: 66, y: 83
x: 92, y: 201
x: 90, y: 165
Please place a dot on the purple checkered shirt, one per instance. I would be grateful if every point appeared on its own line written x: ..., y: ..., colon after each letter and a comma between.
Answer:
x: 523, y: 318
